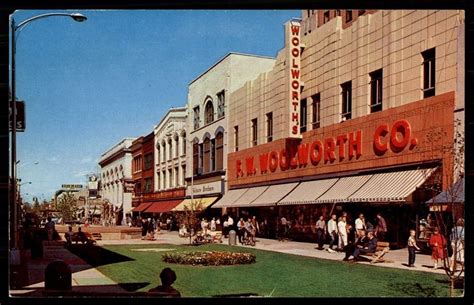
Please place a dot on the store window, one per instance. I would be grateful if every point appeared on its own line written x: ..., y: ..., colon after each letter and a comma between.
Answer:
x: 254, y: 132
x: 236, y: 138
x: 196, y: 117
x: 209, y: 112
x: 269, y: 127
x: 376, y: 91
x: 346, y: 100
x: 429, y: 70
x: 221, y: 104
x: 220, y: 151
x: 303, y: 115
x: 316, y: 110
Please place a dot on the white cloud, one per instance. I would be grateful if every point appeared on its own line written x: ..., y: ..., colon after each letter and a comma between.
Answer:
x: 53, y: 159
x: 86, y: 160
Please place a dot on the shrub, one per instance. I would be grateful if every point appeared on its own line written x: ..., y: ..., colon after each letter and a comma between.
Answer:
x: 209, y: 258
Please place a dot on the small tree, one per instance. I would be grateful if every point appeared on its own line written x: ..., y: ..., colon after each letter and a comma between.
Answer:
x: 190, y: 216
x: 67, y: 206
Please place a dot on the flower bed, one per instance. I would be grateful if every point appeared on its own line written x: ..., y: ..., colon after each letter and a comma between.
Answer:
x: 209, y: 258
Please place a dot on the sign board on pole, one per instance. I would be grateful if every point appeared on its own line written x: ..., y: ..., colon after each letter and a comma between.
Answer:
x: 20, y: 117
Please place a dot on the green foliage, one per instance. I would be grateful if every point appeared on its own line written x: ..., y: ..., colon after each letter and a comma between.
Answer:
x: 67, y: 206
x: 273, y: 274
x: 189, y: 218
x: 209, y: 258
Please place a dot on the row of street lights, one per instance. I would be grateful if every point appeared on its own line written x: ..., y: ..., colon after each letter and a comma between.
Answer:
x: 13, y: 199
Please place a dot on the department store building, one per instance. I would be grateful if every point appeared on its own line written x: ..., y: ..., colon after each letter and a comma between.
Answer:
x: 358, y: 114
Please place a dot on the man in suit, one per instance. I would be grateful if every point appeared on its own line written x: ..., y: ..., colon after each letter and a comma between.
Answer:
x: 370, y: 247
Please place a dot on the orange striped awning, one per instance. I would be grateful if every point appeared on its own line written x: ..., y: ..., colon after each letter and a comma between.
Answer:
x: 162, y: 206
x: 141, y: 207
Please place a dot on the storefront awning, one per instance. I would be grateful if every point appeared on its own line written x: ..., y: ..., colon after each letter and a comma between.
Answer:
x: 392, y: 186
x: 343, y: 188
x: 141, y: 207
x: 273, y: 194
x: 249, y: 196
x: 308, y: 191
x: 202, y: 203
x: 454, y: 194
x: 162, y: 206
x: 229, y: 198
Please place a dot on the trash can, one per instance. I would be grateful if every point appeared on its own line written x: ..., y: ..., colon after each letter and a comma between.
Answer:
x: 58, y: 276
x: 232, y: 238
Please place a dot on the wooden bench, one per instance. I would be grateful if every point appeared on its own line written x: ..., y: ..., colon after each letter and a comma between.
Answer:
x: 87, y: 238
x: 97, y: 236
x: 383, y: 248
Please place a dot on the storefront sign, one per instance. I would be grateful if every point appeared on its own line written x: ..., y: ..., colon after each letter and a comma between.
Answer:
x: 205, y: 188
x: 329, y: 150
x: 71, y: 186
x: 177, y: 193
x: 294, y: 75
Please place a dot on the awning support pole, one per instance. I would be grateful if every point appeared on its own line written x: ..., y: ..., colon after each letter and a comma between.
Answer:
x: 332, y: 209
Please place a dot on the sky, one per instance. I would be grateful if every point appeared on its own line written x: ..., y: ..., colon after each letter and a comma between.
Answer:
x: 87, y: 85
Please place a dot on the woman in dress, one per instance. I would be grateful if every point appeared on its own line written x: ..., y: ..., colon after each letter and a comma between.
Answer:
x: 437, y: 243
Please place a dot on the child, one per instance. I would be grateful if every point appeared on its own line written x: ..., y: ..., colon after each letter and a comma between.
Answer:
x: 412, y: 246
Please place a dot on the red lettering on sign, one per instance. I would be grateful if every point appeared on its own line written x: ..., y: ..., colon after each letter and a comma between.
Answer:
x: 295, y: 74
x: 295, y: 52
x: 295, y: 84
x: 295, y: 41
x: 295, y: 105
x: 249, y: 164
x: 341, y: 140
x: 273, y: 160
x: 303, y: 151
x: 316, y: 151
x: 295, y: 96
x: 295, y: 30
x: 402, y: 128
x: 284, y: 164
x: 294, y: 64
x: 355, y: 144
x: 294, y: 129
x: 264, y: 163
x: 379, y: 147
x: 238, y: 168
x: 329, y: 147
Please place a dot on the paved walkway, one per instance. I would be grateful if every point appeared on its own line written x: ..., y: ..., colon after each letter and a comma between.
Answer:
x: 88, y: 278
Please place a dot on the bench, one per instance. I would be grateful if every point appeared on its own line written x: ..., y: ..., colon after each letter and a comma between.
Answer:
x: 86, y: 238
x: 97, y: 236
x: 383, y: 248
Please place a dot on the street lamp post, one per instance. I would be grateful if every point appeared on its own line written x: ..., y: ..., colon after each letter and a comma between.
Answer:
x: 16, y: 27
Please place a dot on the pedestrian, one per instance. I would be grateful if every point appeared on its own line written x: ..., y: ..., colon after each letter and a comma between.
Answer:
x: 167, y: 277
x: 50, y: 228
x: 213, y: 224
x: 321, y: 231
x: 381, y: 227
x: 332, y: 231
x: 361, y: 242
x: 255, y: 225
x: 437, y: 243
x: 144, y: 228
x: 240, y: 229
x: 151, y: 229
x: 412, y: 246
x: 360, y: 224
x: 283, y: 228
x: 342, y: 231
x: 68, y: 236
x: 457, y: 244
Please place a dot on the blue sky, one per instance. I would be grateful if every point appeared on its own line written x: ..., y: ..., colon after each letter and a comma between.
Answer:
x: 87, y: 85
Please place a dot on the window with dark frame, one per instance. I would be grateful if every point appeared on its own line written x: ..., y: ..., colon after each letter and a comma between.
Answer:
x: 176, y: 147
x: 195, y: 157
x: 209, y: 113
x: 196, y: 117
x: 269, y: 127
x: 170, y: 178
x: 176, y: 176
x: 221, y: 104
x: 147, y: 185
x: 338, y: 12
x: 158, y: 179
x: 170, y: 149
x: 376, y: 96
x: 220, y: 151
x: 213, y: 155
x: 236, y: 138
x: 346, y: 99
x: 316, y: 110
x: 348, y: 16
x: 303, y: 115
x: 429, y: 72
x: 184, y: 144
x: 148, y: 161
x: 254, y: 132
x: 207, y: 156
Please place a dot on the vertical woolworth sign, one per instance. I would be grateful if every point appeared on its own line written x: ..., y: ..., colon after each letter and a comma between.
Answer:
x: 294, y: 75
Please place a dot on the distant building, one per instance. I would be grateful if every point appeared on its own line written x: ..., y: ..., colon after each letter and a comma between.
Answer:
x: 115, y: 174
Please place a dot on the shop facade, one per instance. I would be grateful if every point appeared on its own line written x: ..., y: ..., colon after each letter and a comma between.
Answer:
x: 356, y: 116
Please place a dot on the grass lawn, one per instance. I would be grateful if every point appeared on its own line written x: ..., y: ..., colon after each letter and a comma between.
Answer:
x: 275, y: 274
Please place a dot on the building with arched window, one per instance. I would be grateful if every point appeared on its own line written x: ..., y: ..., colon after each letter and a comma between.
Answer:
x: 116, y: 175
x: 208, y: 99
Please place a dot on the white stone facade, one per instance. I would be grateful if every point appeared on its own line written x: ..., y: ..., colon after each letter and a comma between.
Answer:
x: 115, y: 170
x: 170, y: 150
x: 213, y: 89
